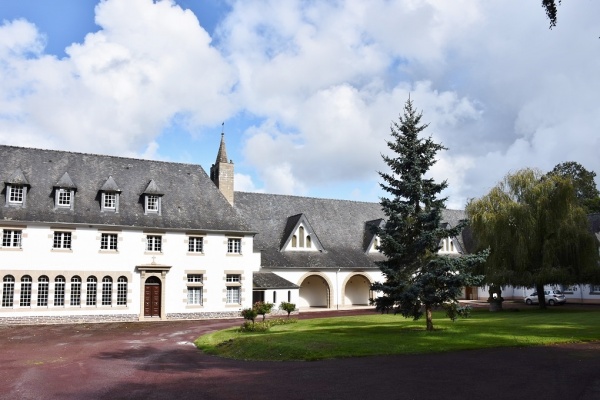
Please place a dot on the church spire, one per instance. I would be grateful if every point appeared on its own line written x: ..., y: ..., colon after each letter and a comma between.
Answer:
x: 221, y: 172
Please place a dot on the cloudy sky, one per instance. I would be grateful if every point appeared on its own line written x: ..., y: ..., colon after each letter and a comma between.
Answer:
x: 307, y: 89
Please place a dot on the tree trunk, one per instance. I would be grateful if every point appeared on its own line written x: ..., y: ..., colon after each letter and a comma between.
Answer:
x: 429, y: 317
x: 539, y: 288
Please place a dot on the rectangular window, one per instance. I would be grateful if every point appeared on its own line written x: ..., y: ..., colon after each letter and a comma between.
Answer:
x: 233, y: 278
x: 62, y: 240
x: 109, y: 201
x: 233, y: 295
x: 234, y: 246
x: 11, y: 238
x: 108, y: 241
x: 195, y: 295
x: 64, y: 198
x: 152, y: 203
x: 153, y: 243
x: 596, y: 289
x: 16, y: 194
x: 195, y: 245
x: 194, y: 278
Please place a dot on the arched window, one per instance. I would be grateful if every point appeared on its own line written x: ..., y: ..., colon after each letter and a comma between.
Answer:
x: 301, y: 234
x: 59, y: 291
x: 25, y: 300
x: 76, y: 291
x: 91, y: 291
x: 8, y: 290
x: 294, y: 241
x: 308, y: 241
x: 43, y: 283
x: 122, y: 291
x: 106, y: 291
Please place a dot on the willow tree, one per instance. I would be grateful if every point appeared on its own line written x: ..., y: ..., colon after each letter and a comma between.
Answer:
x: 537, y: 233
x: 417, y: 278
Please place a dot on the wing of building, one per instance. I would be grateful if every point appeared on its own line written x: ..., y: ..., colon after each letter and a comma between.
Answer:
x: 98, y: 238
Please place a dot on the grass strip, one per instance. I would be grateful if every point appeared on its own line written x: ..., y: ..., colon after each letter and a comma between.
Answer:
x: 359, y: 336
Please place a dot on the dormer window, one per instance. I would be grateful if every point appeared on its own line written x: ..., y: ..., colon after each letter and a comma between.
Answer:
x: 110, y: 196
x: 16, y: 194
x: 109, y: 200
x: 64, y: 192
x: 152, y: 199
x: 447, y: 246
x: 152, y: 204
x: 63, y: 197
x: 299, y: 235
x: 16, y: 189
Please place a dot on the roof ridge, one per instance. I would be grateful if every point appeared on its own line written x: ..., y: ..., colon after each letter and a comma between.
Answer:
x: 99, y: 155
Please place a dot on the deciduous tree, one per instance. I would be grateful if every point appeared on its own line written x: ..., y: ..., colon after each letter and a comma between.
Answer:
x: 537, y: 233
x: 583, y: 182
x: 417, y: 278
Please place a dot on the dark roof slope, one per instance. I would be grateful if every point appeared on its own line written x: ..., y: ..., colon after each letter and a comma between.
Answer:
x: 269, y: 280
x: 190, y: 201
x: 339, y: 224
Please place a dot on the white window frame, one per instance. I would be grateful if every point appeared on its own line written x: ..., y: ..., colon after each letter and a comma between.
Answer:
x: 234, y: 295
x: 12, y: 238
x: 109, y: 241
x: 154, y: 243
x: 195, y: 295
x: 62, y: 240
x: 110, y: 201
x: 234, y: 246
x: 195, y: 244
x: 16, y: 194
x: 152, y: 204
x: 233, y: 278
x: 122, y: 284
x: 64, y: 198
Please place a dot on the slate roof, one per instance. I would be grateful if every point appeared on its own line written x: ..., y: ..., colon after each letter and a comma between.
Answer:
x: 269, y: 280
x: 191, y: 201
x: 341, y: 226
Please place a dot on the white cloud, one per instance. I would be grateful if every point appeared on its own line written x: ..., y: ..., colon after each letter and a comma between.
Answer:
x: 117, y: 90
x: 321, y: 81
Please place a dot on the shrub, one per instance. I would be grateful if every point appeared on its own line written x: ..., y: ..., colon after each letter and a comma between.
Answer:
x: 255, y: 327
x: 287, y: 307
x: 249, y: 314
x: 262, y: 308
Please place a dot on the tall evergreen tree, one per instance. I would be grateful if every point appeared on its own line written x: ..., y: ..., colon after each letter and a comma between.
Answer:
x: 416, y: 277
x: 537, y: 232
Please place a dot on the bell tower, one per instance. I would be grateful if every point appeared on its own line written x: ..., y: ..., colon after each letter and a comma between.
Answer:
x: 221, y: 172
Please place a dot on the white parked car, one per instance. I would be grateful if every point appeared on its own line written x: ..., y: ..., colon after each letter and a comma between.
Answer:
x: 553, y: 297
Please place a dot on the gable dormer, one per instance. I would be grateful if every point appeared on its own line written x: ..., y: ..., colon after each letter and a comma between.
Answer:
x: 64, y: 192
x: 152, y: 199
x: 371, y: 239
x: 299, y: 235
x: 109, y: 196
x: 449, y: 246
x: 16, y: 189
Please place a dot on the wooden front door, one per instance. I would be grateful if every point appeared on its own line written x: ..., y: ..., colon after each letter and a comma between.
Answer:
x: 152, y: 297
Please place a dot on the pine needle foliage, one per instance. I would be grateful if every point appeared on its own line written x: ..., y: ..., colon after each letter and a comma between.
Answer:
x: 417, y: 278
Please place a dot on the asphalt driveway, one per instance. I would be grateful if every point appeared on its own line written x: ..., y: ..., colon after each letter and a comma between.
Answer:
x: 158, y: 361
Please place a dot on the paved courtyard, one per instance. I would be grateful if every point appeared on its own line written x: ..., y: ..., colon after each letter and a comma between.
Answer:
x: 158, y: 361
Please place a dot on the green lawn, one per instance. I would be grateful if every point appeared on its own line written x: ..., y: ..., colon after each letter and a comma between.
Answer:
x: 358, y: 336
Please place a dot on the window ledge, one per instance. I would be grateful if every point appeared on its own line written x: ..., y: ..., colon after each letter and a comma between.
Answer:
x: 195, y: 253
x: 61, y: 250
x: 11, y: 248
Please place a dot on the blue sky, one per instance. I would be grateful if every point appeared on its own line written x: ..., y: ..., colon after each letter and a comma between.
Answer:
x: 307, y: 90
